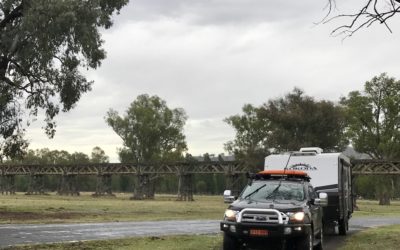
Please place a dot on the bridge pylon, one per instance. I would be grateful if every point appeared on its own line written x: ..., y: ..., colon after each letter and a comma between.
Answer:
x: 68, y: 185
x: 232, y: 179
x: 232, y: 182
x: 144, y: 187
x: 36, y: 184
x: 7, y: 184
x: 185, y: 187
x: 103, y: 185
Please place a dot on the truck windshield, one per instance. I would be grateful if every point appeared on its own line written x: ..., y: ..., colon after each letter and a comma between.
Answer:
x: 274, y: 190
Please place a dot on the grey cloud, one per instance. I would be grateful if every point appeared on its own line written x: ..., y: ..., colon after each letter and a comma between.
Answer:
x: 159, y: 47
x: 217, y: 12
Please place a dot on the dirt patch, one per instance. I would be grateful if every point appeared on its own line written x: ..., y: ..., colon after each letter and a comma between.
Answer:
x: 31, y: 216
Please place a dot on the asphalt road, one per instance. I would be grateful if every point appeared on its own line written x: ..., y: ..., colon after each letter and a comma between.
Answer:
x: 11, y: 235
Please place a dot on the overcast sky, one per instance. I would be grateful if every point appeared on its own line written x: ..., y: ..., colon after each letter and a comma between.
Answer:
x: 210, y: 57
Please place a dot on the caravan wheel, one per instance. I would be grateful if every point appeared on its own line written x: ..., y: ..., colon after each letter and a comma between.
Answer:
x: 343, y: 226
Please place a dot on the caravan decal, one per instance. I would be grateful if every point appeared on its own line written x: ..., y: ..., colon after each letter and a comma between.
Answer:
x: 302, y: 166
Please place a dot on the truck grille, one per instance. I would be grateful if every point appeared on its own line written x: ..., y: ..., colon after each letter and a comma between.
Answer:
x: 267, y: 216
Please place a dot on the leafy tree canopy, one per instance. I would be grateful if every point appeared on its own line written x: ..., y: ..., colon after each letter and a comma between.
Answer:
x: 374, y: 118
x: 43, y: 46
x: 286, y: 124
x: 47, y: 156
x: 297, y: 120
x: 150, y: 130
x: 252, y: 131
x: 373, y: 127
x: 99, y: 156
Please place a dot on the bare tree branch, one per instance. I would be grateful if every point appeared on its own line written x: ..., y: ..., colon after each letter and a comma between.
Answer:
x: 373, y: 11
x: 14, y: 14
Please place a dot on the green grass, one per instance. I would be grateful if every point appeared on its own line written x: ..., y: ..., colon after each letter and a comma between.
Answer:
x: 203, y: 242
x: 376, y: 238
x: 52, y: 208
x: 85, y: 208
x: 371, y: 208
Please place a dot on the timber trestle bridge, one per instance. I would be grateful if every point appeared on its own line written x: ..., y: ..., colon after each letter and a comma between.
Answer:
x: 375, y: 167
x: 145, y: 174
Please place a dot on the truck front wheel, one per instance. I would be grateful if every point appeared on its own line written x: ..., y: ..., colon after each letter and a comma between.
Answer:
x: 320, y: 237
x: 307, y: 241
x: 230, y: 243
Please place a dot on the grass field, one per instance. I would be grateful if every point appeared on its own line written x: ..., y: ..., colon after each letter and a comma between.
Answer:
x: 376, y: 238
x: 85, y: 208
x: 200, y: 242
x: 371, y: 208
x: 21, y: 208
x: 52, y: 208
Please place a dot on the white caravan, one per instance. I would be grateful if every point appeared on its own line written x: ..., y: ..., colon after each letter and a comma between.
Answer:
x: 330, y: 173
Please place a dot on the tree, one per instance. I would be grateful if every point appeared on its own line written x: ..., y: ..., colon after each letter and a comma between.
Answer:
x: 297, y: 120
x: 151, y: 132
x: 99, y: 156
x: 12, y: 146
x: 251, y: 142
x: 286, y: 124
x: 372, y: 11
x: 43, y: 44
x: 374, y: 118
x: 79, y: 158
x: 374, y: 122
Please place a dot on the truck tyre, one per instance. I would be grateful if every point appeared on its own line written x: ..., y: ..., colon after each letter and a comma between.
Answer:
x: 307, y: 241
x: 343, y: 226
x: 283, y: 245
x: 230, y: 243
x: 320, y: 237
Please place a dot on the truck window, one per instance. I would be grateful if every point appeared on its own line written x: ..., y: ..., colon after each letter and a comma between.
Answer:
x: 274, y: 190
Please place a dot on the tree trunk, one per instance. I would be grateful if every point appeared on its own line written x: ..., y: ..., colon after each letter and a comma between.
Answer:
x: 384, y: 188
x: 384, y: 199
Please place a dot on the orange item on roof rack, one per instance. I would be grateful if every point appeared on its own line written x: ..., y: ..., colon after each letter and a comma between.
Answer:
x: 283, y: 172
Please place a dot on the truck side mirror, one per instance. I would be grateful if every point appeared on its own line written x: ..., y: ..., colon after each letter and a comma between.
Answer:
x: 322, y: 200
x: 228, y: 197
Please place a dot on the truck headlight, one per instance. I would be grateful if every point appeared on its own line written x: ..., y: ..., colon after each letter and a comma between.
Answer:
x: 230, y: 215
x: 298, y: 216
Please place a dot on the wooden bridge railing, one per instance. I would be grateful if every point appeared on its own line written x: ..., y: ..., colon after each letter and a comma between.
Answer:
x: 375, y: 167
